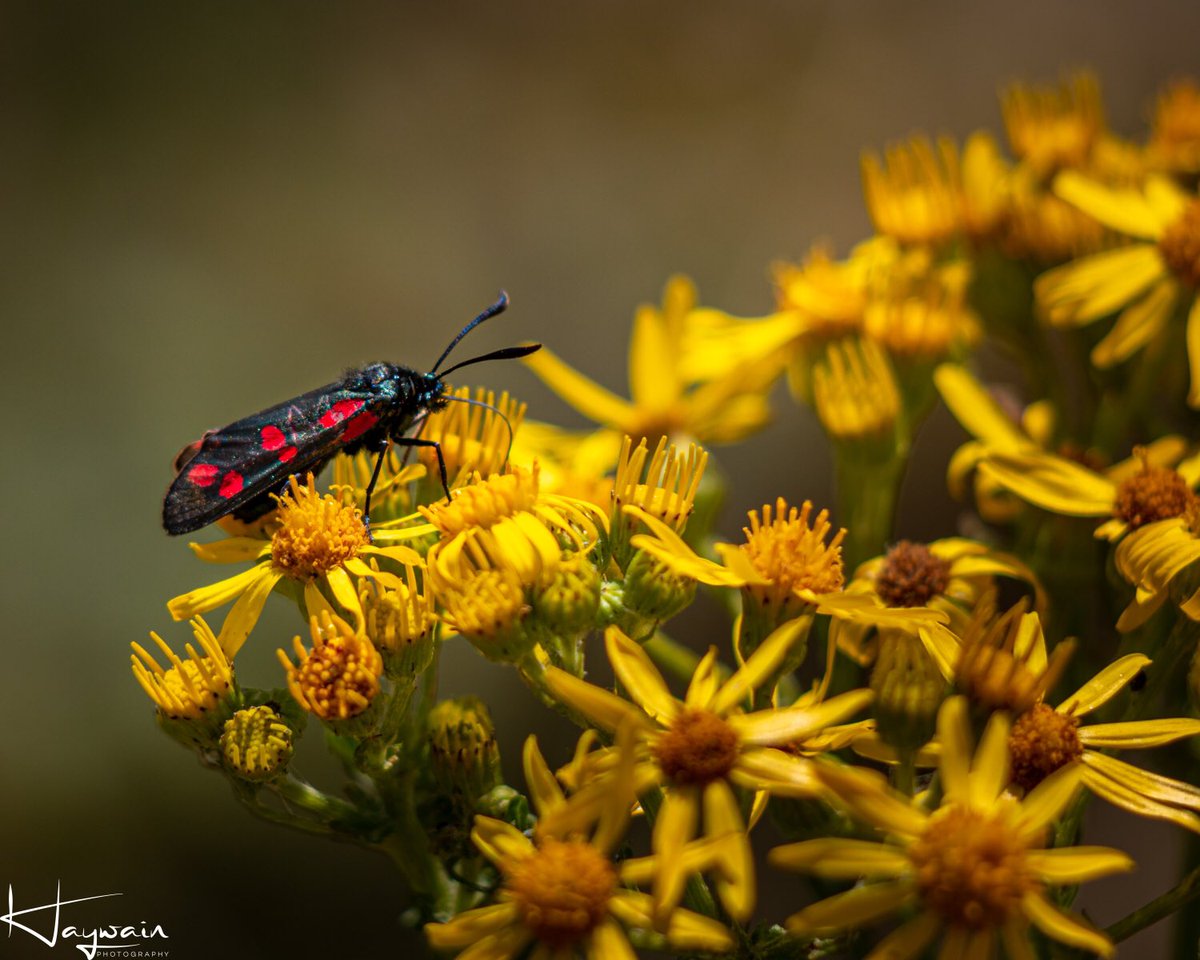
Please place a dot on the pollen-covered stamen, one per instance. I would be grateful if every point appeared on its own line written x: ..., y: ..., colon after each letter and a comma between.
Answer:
x: 1191, y: 515
x: 911, y: 575
x: 666, y: 488
x: 1042, y: 740
x: 563, y: 891
x: 697, y: 748
x: 970, y: 868
x: 485, y: 503
x: 1180, y: 245
x: 339, y: 678
x: 316, y: 533
x: 1154, y: 493
x: 793, y: 555
x: 486, y: 607
x: 188, y: 689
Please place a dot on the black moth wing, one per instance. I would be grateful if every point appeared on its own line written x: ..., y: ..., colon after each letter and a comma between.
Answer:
x: 257, y: 454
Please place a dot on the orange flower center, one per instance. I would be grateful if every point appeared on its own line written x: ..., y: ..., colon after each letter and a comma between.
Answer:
x: 1042, y: 740
x: 1155, y: 493
x: 1180, y: 245
x: 563, y: 891
x: 970, y: 868
x: 699, y: 747
x: 340, y: 678
x: 316, y: 534
x: 911, y: 575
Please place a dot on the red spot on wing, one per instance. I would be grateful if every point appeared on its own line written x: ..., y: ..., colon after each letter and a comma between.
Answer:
x: 272, y: 438
x: 203, y: 474
x: 231, y: 483
x: 359, y: 425
x: 287, y: 455
x: 339, y: 412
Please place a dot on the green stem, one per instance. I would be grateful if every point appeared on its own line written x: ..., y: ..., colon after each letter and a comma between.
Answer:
x: 867, y: 493
x: 1183, y: 893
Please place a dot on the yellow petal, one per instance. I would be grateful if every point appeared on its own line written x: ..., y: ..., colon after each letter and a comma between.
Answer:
x: 1137, y: 325
x: 854, y: 908
x: 231, y: 550
x: 1125, y: 210
x: 470, y: 927
x: 909, y: 941
x: 1139, y: 733
x: 778, y: 727
x: 640, y: 677
x: 1052, y: 483
x: 1070, y: 865
x: 780, y: 773
x: 581, y: 392
x: 703, y: 684
x: 1193, y: 353
x: 1102, y: 783
x: 667, y: 546
x: 838, y: 859
x: 202, y: 599
x: 954, y: 734
x: 1104, y: 686
x: 609, y: 940
x: 989, y: 772
x: 1014, y: 935
x: 675, y: 826
x: 1046, y: 801
x: 501, y: 842
x: 605, y: 709
x: 685, y: 930
x: 245, y: 613
x: 1085, y: 290
x: 505, y: 945
x: 868, y: 795
x: 1064, y: 928
x: 735, y: 880
x: 974, y: 408
x: 1151, y: 786
x: 544, y: 790
x: 653, y: 382
x: 761, y: 665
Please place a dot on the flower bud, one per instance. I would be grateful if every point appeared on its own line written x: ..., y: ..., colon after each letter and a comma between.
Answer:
x: 463, y: 753
x: 909, y: 689
x: 256, y: 744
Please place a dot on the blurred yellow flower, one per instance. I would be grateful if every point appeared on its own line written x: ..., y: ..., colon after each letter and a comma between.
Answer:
x: 1051, y: 128
x: 914, y: 192
x: 1153, y: 557
x: 666, y: 401
x: 1146, y: 280
x: 1175, y: 134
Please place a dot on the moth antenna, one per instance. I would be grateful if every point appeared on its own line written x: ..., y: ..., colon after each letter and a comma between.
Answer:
x: 498, y: 307
x: 496, y: 410
x: 508, y: 353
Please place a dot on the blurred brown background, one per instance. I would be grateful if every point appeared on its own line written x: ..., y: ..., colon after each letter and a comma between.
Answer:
x: 210, y: 207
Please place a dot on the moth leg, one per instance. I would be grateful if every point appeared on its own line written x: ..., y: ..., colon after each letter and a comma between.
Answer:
x: 416, y: 427
x: 382, y: 452
x: 437, y: 448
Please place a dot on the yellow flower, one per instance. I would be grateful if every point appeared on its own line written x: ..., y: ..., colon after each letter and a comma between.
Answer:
x: 562, y: 892
x: 855, y: 392
x: 921, y: 313
x: 338, y: 679
x: 1052, y: 128
x: 950, y: 575
x: 320, y: 543
x: 1132, y: 493
x: 1175, y: 136
x: 1045, y: 739
x: 1045, y: 229
x: 256, y: 743
x: 786, y: 566
x: 701, y: 747
x: 986, y: 187
x: 392, y: 497
x: 666, y: 488
x: 513, y: 521
x: 190, y: 689
x: 1146, y: 280
x: 1152, y: 557
x: 666, y: 402
x: 975, y: 868
x: 571, y: 463
x: 914, y: 193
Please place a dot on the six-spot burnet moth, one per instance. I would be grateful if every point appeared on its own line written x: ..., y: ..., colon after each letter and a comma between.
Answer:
x: 236, y: 468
